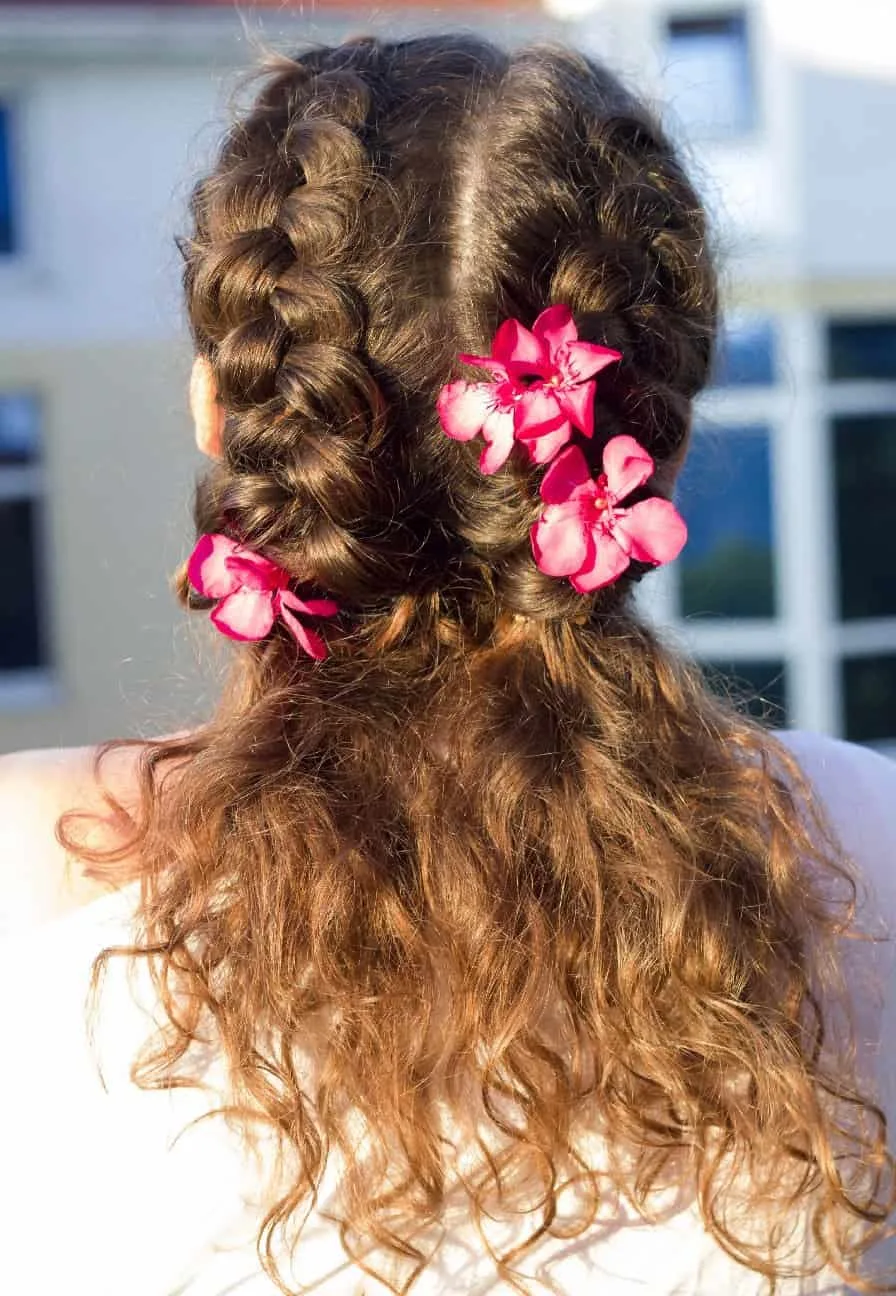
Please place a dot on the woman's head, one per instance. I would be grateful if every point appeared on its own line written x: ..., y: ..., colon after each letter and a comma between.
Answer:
x: 501, y: 853
x: 381, y: 208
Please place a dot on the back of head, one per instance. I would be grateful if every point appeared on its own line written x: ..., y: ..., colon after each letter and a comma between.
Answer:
x: 381, y: 209
x: 499, y: 853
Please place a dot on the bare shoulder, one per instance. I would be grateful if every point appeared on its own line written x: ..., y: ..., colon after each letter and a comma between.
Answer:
x: 38, y: 880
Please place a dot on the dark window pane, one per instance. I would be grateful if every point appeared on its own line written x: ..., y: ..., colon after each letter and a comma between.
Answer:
x: 7, y: 231
x: 865, y: 468
x: 759, y: 687
x: 746, y: 356
x: 862, y: 349
x: 727, y: 567
x: 20, y: 631
x: 869, y: 698
x: 19, y: 428
x: 708, y: 77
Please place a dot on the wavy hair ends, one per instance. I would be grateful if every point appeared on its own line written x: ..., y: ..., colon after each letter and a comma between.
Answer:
x: 500, y: 882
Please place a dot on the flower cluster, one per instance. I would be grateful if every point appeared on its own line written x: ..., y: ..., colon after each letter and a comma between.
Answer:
x: 542, y: 387
x: 541, y: 391
x: 252, y: 592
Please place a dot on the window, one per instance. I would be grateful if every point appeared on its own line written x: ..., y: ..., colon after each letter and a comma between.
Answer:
x: 869, y: 698
x: 746, y: 356
x: 861, y: 397
x: 865, y: 485
x: 7, y: 215
x: 727, y: 567
x: 810, y: 639
x: 862, y: 349
x: 708, y: 75
x: 760, y: 687
x: 22, y: 638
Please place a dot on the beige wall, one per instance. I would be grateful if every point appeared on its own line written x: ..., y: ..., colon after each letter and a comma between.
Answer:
x: 119, y: 465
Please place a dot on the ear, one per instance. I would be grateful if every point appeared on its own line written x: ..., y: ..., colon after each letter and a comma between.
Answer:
x: 207, y: 411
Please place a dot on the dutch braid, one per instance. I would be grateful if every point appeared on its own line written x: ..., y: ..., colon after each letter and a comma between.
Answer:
x: 332, y: 296
x: 282, y: 319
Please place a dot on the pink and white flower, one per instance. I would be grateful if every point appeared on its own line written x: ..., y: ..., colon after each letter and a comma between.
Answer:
x: 252, y: 592
x: 567, y: 369
x: 583, y: 532
x: 542, y: 386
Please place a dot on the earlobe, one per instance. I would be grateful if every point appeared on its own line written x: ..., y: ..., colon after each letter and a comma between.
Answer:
x: 207, y: 411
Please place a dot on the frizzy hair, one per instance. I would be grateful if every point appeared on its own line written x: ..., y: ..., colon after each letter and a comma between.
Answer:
x: 502, y: 855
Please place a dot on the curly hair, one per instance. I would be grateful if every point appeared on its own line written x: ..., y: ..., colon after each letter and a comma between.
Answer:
x: 500, y: 875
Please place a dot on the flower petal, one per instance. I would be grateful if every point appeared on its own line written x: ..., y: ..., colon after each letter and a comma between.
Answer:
x: 255, y: 572
x: 464, y: 407
x: 571, y: 509
x: 580, y: 361
x: 556, y: 327
x: 536, y: 412
x: 627, y: 465
x: 498, y: 433
x: 308, y: 639
x: 484, y: 362
x: 577, y: 404
x: 309, y: 607
x: 607, y: 564
x: 655, y: 530
x: 207, y: 569
x: 518, y: 349
x: 247, y: 614
x: 567, y: 478
x: 560, y: 545
x: 542, y: 449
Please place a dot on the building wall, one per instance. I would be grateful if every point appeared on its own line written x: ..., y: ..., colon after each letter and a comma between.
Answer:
x: 90, y: 325
x: 106, y: 155
x: 117, y: 462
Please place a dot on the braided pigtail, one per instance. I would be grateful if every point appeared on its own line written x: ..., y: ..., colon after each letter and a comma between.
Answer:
x: 278, y: 312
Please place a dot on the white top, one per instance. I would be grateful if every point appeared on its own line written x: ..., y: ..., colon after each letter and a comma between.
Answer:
x: 96, y: 1196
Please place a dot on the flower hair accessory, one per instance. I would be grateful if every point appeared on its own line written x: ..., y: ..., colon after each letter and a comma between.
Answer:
x: 252, y: 592
x: 583, y: 532
x: 542, y: 386
x: 542, y: 391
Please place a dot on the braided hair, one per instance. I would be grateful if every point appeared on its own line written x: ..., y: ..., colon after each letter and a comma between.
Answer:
x: 365, y: 223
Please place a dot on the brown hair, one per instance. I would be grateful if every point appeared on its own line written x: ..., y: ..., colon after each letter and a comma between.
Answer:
x: 502, y: 854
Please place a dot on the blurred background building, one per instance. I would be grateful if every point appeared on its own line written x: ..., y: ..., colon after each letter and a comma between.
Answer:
x: 787, y: 109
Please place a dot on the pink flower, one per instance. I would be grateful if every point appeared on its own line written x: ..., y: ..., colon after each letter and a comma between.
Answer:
x: 542, y: 385
x: 252, y: 592
x: 585, y: 535
x: 567, y: 370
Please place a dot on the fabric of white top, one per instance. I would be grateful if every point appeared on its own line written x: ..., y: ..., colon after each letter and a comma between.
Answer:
x: 99, y: 1195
